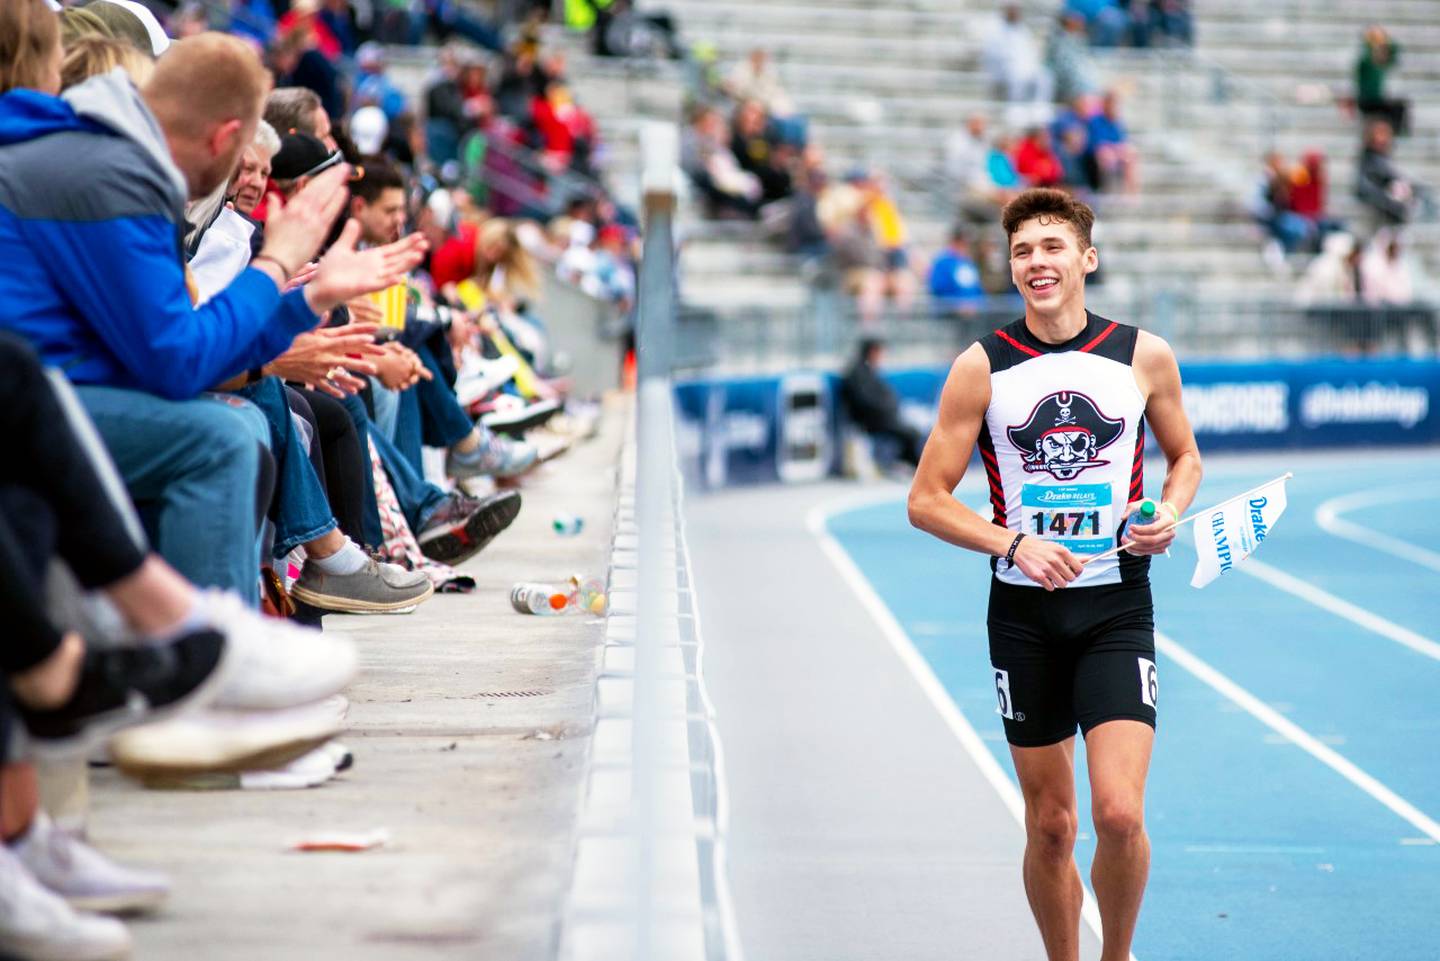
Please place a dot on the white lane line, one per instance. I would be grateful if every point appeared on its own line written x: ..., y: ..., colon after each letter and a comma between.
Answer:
x: 1292, y: 732
x: 1328, y: 517
x: 1351, y: 612
x: 920, y: 669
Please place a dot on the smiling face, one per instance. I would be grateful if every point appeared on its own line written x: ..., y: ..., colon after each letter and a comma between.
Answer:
x: 1048, y: 265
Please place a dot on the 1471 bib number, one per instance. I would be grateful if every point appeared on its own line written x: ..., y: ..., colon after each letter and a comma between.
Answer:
x: 1079, y: 517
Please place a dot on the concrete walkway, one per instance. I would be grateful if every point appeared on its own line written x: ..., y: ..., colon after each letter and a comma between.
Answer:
x: 469, y: 725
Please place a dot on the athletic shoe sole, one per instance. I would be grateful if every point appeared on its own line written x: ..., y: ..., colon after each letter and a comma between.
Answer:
x: 137, y: 902
x: 210, y: 744
x: 105, y: 726
x: 458, y: 544
x: 350, y: 605
x: 516, y: 423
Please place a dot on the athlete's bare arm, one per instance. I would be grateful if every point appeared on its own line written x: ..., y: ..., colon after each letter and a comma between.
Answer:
x: 1158, y: 377
x: 932, y: 504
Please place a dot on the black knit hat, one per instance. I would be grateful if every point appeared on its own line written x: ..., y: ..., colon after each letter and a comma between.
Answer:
x: 302, y: 155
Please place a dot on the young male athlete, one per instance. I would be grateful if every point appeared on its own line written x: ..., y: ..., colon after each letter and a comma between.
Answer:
x: 1058, y: 403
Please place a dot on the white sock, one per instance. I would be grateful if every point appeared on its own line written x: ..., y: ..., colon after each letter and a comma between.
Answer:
x: 347, y: 560
x: 195, y: 619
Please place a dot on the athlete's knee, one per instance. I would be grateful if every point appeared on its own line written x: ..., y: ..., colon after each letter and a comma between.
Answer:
x: 1119, y: 819
x: 1051, y: 830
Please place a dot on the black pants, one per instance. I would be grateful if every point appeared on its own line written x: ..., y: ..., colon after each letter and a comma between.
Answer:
x: 46, y: 465
x: 911, y: 441
x: 337, y: 457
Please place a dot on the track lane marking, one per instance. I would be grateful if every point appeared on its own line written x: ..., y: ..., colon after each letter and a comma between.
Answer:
x: 1297, y: 735
x: 817, y: 521
x: 1328, y: 518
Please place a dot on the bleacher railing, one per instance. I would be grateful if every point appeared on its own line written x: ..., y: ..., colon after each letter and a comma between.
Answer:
x: 773, y: 339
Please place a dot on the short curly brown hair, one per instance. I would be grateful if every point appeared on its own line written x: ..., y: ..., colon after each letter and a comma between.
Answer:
x: 1055, y: 205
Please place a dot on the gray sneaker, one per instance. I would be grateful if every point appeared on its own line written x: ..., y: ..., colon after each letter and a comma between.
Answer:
x: 375, y: 588
x: 496, y: 456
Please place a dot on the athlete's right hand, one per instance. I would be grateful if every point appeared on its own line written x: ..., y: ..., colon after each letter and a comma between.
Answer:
x: 1047, y: 563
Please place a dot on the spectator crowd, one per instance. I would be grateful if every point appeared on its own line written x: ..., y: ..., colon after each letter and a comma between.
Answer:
x: 248, y: 282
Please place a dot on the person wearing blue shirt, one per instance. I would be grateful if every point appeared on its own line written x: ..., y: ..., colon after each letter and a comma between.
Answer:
x: 954, y: 280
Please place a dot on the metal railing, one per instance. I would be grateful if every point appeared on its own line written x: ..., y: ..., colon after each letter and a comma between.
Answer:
x: 769, y: 339
x: 649, y: 881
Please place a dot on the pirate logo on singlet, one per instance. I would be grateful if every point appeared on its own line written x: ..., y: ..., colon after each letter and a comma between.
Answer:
x: 1064, y: 435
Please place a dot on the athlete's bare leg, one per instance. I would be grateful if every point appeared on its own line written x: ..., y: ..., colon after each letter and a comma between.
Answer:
x: 1119, y: 759
x: 1052, y: 882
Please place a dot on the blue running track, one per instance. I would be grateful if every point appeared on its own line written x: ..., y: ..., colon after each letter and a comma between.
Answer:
x: 1261, y: 851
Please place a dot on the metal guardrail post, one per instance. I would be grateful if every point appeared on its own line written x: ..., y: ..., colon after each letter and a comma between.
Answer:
x: 654, y: 471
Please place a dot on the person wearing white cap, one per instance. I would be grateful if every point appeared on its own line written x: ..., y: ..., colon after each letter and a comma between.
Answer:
x: 368, y: 130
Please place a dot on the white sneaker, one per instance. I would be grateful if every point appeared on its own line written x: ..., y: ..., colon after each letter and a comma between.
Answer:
x: 479, y: 377
x: 172, y: 753
x: 276, y: 664
x: 85, y: 878
x: 37, y: 925
x: 309, y: 770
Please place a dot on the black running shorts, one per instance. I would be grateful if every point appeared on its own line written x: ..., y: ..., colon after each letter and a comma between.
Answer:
x: 1076, y: 656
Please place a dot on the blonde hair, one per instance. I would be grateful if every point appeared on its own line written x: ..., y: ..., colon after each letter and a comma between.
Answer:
x: 521, y: 276
x: 91, y: 55
x: 205, y: 80
x: 29, y: 34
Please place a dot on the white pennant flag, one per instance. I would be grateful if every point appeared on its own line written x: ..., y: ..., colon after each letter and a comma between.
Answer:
x: 1232, y: 530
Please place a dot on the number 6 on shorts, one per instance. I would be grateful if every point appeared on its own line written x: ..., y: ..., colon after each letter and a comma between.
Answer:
x: 1149, y: 682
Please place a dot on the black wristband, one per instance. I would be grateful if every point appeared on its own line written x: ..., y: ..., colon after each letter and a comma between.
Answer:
x: 1010, y: 554
x: 285, y: 272
x: 254, y: 374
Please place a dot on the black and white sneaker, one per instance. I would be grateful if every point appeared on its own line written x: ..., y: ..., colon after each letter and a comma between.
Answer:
x: 123, y: 687
x: 508, y: 414
x: 464, y: 526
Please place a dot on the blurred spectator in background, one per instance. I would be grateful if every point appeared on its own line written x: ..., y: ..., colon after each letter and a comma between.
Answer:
x: 1115, y: 155
x: 1286, y: 230
x: 1069, y: 59
x: 755, y: 78
x: 706, y: 157
x: 873, y: 404
x: 1378, y: 56
x: 1333, y: 277
x: 954, y: 281
x: 806, y: 236
x: 1389, y: 195
x: 891, y: 236
x: 372, y: 86
x: 566, y: 132
x: 1308, y: 189
x: 1035, y: 159
x: 758, y: 152
x: 339, y: 19
x: 1077, y: 160
x: 1385, y: 278
x: 1011, y: 58
x: 1106, y: 23
x: 190, y: 19
x: 297, y: 61
x: 982, y: 178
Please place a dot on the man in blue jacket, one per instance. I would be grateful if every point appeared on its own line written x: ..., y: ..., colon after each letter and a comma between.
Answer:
x: 92, y: 193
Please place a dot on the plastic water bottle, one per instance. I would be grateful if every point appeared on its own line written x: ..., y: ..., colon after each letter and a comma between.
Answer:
x: 567, y: 525
x: 547, y: 600
x: 1147, y: 513
x: 587, y: 595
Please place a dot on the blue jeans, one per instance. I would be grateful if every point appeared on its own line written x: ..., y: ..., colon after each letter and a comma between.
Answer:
x: 191, y: 466
x: 301, y: 510
x: 418, y: 497
x: 429, y: 414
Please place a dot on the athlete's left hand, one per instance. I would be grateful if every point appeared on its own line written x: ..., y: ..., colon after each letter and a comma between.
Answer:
x: 1149, y: 538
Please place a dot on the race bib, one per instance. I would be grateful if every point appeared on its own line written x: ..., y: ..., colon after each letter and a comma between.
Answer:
x: 1078, y: 517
